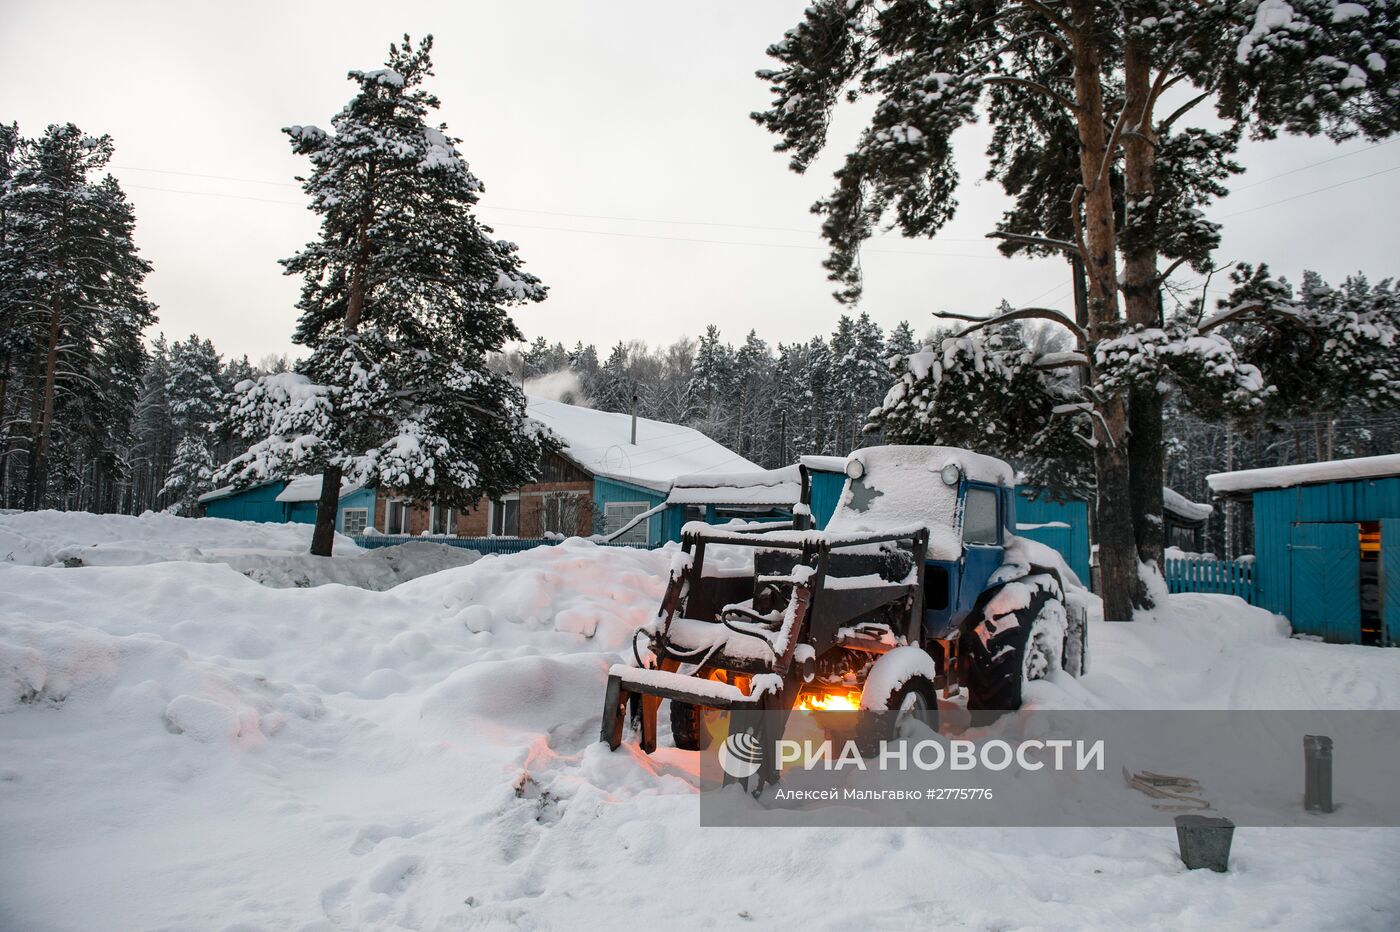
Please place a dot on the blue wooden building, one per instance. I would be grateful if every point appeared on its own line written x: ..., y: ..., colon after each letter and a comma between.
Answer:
x: 1326, y: 545
x: 290, y: 502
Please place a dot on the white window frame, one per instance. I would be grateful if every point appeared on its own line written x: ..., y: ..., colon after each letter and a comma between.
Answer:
x: 640, y: 534
x: 491, y: 515
x: 433, y: 520
x: 389, y: 506
x: 345, y: 514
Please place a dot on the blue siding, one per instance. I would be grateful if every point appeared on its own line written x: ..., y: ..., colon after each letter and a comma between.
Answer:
x: 611, y: 490
x: 1390, y: 582
x: 364, y: 498
x: 826, y: 493
x: 258, y: 503
x: 1277, y: 510
x: 1326, y: 581
x: 1034, y: 506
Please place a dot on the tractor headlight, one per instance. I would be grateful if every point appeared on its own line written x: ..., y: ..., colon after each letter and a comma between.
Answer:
x: 951, y: 474
x: 855, y: 468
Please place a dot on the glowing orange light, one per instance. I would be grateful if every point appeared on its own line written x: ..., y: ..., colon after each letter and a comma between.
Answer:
x: 829, y: 702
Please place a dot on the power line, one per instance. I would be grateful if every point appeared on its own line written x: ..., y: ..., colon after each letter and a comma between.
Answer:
x: 1294, y: 171
x: 235, y: 197
x: 523, y: 210
x: 1308, y: 193
x: 722, y: 242
x: 532, y: 226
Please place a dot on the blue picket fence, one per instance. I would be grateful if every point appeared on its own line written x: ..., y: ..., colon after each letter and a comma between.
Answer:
x: 1219, y: 577
x: 483, y: 545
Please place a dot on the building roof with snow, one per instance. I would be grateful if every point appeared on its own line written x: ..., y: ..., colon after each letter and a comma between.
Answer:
x: 770, y: 487
x: 1182, y: 508
x: 1284, y: 477
x: 297, y: 489
x: 600, y: 442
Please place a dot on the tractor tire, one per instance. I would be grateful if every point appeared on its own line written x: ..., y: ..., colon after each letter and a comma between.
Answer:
x: 917, y: 697
x: 688, y: 727
x: 1002, y: 657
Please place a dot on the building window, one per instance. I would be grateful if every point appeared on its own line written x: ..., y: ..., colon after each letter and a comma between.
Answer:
x: 980, y: 516
x: 616, y: 515
x: 396, y: 516
x: 560, y: 512
x: 353, y: 521
x: 444, y: 521
x: 505, y: 516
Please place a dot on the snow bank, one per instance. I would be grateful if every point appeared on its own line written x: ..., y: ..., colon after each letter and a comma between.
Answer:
x: 46, y: 538
x: 274, y: 555
x: 181, y: 747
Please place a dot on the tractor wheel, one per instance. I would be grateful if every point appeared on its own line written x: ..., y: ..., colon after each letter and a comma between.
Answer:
x: 688, y: 726
x: 916, y: 698
x: 1006, y: 651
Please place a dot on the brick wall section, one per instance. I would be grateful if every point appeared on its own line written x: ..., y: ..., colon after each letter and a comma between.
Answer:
x: 575, y: 497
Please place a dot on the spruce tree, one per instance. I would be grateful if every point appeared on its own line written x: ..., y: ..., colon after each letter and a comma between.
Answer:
x: 406, y: 293
x: 195, y: 396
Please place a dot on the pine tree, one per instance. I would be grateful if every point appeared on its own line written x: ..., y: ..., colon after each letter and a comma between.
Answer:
x: 712, y: 377
x: 195, y: 396
x: 900, y: 341
x: 73, y: 303
x: 405, y: 295
x: 1067, y: 86
x: 613, y: 387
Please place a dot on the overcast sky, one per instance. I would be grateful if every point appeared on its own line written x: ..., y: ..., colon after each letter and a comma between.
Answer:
x: 616, y: 149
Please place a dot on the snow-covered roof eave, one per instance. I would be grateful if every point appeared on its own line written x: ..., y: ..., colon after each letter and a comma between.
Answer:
x: 1245, y: 481
x: 231, y: 490
x: 1183, y: 509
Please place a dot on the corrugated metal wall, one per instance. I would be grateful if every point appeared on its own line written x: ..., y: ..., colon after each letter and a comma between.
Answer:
x: 1033, y: 506
x: 1277, y: 510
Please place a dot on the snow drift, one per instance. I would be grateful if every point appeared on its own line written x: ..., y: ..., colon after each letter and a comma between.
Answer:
x: 181, y: 747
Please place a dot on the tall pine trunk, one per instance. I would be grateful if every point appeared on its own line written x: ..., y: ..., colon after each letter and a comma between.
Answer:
x: 1142, y: 300
x: 1117, y: 547
x: 328, y: 505
x: 43, y: 429
x: 323, y: 536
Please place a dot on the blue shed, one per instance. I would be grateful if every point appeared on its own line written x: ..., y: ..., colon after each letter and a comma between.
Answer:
x: 1327, y: 545
x: 290, y: 502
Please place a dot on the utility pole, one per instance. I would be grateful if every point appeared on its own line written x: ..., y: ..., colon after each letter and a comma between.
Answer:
x: 634, y: 414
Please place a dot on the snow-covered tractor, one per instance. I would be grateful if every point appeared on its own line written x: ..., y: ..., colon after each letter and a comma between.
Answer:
x: 917, y: 584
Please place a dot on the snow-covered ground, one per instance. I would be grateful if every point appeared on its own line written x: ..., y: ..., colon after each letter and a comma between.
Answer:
x: 183, y: 748
x: 272, y: 554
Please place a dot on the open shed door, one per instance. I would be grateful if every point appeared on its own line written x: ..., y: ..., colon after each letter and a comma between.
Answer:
x: 1326, y: 571
x: 1390, y: 581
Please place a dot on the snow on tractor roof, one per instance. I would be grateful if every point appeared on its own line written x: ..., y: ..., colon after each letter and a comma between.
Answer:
x: 1283, y: 477
x: 903, y: 485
